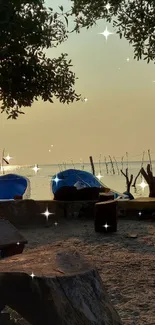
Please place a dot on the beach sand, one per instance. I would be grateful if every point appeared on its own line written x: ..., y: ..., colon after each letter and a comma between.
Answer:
x: 126, y: 265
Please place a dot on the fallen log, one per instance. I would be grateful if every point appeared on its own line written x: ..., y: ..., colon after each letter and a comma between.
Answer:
x: 69, y: 298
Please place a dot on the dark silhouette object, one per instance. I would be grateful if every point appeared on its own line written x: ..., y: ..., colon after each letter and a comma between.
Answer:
x: 77, y: 299
x: 66, y: 193
x: 92, y: 165
x: 27, y: 72
x: 11, y: 241
x: 134, y: 183
x: 150, y: 179
x: 18, y: 197
x: 106, y: 197
x: 71, y: 193
x: 106, y: 214
x: 128, y: 181
x: 5, y: 319
x: 88, y: 194
x: 131, y: 197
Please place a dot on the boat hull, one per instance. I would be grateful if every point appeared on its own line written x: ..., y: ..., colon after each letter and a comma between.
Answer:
x: 13, y: 185
x: 71, y: 177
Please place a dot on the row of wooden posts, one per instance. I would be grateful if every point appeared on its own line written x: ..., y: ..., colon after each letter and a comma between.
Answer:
x: 130, y: 181
x: 111, y: 163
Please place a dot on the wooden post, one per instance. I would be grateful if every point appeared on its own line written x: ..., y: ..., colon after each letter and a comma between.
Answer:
x: 122, y: 162
x: 112, y: 165
x: 100, y: 164
x: 92, y: 165
x: 127, y: 160
x: 116, y: 165
x: 150, y: 162
x: 106, y: 164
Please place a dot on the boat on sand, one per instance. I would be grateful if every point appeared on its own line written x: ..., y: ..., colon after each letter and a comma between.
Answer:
x: 81, y: 179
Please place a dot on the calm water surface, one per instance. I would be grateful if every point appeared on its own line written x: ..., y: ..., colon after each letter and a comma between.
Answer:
x: 40, y: 181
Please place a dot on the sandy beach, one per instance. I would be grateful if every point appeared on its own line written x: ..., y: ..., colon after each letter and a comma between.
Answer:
x: 126, y: 264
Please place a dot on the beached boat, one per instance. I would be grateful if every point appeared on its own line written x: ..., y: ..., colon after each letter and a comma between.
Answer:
x: 14, y: 186
x: 79, y: 179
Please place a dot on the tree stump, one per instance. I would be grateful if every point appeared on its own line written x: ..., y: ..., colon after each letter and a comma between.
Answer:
x: 69, y: 298
x: 150, y: 179
x: 106, y: 216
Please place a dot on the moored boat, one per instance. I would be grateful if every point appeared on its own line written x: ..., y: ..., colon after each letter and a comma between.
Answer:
x: 14, y: 186
x: 80, y: 179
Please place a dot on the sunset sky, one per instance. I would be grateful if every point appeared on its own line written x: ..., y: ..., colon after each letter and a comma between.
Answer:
x: 119, y: 115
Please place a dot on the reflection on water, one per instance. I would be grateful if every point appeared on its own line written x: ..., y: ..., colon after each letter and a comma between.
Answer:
x: 40, y: 181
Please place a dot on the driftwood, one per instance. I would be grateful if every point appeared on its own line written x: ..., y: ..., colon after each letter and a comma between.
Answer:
x: 150, y: 179
x: 128, y: 181
x: 74, y: 296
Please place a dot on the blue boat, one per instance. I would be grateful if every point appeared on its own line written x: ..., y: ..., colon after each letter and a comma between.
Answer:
x: 79, y: 179
x: 13, y: 185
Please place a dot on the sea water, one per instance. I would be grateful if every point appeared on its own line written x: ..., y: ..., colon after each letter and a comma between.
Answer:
x: 40, y: 181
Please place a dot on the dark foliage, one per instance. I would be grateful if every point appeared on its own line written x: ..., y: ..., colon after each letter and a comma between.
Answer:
x: 27, y: 28
x: 133, y: 19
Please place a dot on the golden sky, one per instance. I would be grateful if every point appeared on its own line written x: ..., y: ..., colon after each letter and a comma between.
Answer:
x: 119, y: 115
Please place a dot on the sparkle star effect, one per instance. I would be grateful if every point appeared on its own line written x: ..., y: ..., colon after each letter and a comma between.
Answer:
x: 8, y: 158
x: 18, y: 243
x: 51, y: 147
x: 32, y: 275
x: 47, y: 213
x: 84, y: 99
x: 128, y: 59
x: 55, y: 223
x: 143, y: 184
x: 108, y: 6
x: 99, y: 176
x: 106, y: 226
x: 35, y: 168
x: 140, y: 213
x: 56, y: 179
x: 106, y: 33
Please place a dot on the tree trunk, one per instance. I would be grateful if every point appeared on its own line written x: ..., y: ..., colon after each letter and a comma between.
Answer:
x: 75, y: 299
x: 150, y: 179
x: 128, y: 181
